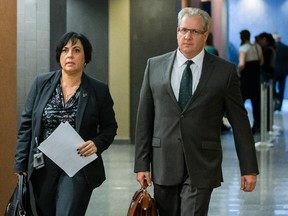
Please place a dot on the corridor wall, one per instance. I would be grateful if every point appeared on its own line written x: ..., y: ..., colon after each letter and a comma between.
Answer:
x: 8, y: 23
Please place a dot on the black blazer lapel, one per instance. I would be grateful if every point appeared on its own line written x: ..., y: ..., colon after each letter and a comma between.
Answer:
x: 43, y: 96
x: 83, y: 99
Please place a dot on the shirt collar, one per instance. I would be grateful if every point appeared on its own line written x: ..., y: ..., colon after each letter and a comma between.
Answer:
x: 198, y: 59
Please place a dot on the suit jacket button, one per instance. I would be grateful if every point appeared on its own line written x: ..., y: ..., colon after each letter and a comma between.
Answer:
x: 182, y: 116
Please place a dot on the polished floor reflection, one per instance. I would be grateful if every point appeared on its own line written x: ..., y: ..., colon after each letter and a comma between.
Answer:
x: 268, y: 199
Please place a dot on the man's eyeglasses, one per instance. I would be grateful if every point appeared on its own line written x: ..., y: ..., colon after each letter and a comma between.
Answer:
x: 194, y: 32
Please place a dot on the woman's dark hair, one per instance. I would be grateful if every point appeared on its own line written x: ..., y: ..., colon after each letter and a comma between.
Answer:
x: 244, y: 36
x: 74, y: 37
x: 269, y: 38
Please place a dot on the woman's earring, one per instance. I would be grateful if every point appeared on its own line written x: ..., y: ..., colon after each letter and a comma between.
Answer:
x: 85, y: 65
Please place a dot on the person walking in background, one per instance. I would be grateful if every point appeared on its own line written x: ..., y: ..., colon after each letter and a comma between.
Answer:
x: 250, y: 60
x: 209, y: 45
x: 178, y: 127
x: 267, y: 43
x: 281, y: 71
x: 66, y: 95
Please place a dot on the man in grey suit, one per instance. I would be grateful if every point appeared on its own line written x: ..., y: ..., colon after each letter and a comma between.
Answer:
x: 180, y: 143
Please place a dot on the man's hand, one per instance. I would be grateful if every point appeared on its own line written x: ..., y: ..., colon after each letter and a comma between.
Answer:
x: 142, y: 176
x: 248, y: 182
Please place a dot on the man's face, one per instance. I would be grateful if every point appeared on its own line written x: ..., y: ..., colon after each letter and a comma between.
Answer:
x: 191, y: 36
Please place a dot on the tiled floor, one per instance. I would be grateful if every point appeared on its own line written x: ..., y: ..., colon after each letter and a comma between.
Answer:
x: 268, y: 199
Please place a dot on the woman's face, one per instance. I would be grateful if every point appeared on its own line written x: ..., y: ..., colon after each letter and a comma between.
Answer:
x: 72, y: 57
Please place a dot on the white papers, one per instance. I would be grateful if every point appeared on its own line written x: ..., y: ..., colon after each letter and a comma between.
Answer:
x: 61, y: 147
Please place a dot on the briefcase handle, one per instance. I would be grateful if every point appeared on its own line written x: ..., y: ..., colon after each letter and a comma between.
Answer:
x: 145, y: 184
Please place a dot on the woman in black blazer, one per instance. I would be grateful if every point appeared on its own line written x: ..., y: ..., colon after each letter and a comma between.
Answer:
x: 60, y: 96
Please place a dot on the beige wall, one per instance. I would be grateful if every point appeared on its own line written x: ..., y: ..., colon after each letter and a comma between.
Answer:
x: 119, y: 64
x: 7, y: 99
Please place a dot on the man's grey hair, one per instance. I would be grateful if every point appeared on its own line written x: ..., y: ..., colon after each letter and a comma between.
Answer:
x: 192, y: 12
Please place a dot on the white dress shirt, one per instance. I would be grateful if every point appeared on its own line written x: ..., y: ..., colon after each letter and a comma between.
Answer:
x: 179, y: 67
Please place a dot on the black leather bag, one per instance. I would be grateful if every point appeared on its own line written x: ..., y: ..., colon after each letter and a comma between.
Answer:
x: 19, y: 203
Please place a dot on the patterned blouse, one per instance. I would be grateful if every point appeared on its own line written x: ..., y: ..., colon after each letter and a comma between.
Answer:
x: 56, y: 111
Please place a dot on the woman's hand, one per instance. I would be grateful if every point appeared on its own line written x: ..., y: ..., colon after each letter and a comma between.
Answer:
x: 22, y: 173
x: 87, y: 149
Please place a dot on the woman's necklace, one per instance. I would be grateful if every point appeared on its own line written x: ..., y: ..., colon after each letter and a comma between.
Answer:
x: 68, y: 95
x: 69, y: 91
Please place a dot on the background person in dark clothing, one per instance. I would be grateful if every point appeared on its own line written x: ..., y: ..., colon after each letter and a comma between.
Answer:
x: 281, y: 71
x: 267, y: 43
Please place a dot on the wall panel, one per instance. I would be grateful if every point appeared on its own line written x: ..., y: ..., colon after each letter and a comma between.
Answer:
x: 153, y: 32
x: 8, y: 97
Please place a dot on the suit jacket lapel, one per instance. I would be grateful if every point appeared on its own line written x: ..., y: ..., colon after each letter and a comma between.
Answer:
x: 43, y: 96
x: 207, y: 69
x: 205, y: 75
x: 168, y: 67
x: 83, y: 99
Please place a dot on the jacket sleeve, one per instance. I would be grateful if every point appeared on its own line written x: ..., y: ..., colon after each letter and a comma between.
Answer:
x: 144, y: 126
x: 107, y: 123
x: 238, y: 118
x: 24, y: 132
